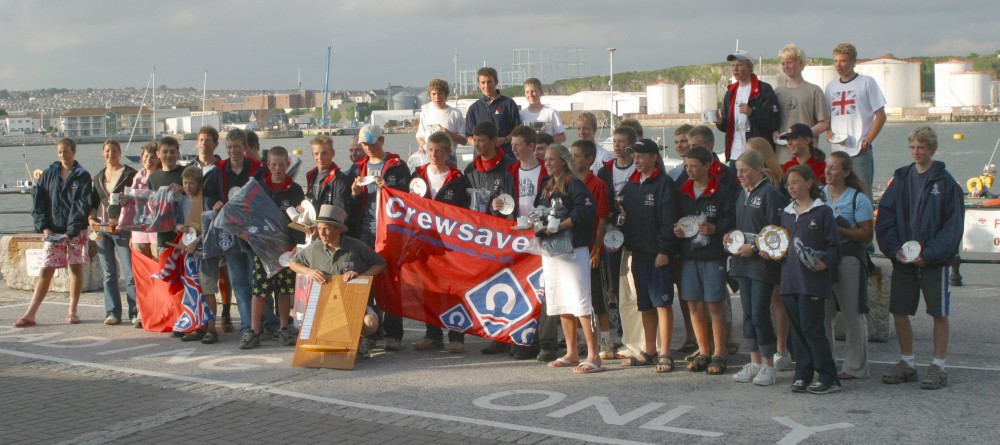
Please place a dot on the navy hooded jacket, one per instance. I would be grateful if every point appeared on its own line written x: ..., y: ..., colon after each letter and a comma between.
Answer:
x: 63, y: 206
x: 940, y: 210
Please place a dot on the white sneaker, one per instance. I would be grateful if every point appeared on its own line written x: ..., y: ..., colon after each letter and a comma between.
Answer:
x: 111, y: 320
x: 782, y: 361
x: 765, y: 377
x: 607, y: 349
x: 746, y: 374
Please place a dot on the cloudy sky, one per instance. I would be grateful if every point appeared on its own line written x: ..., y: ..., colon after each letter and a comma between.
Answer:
x: 262, y: 44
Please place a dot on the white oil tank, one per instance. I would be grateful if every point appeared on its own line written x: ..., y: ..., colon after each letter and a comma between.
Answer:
x: 970, y: 88
x: 820, y: 75
x: 943, y: 95
x: 663, y: 98
x: 898, y: 79
x: 700, y: 97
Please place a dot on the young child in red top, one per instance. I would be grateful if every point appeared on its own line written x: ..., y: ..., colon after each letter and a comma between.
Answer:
x: 800, y: 144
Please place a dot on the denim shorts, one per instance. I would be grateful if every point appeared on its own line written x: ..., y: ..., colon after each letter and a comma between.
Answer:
x: 704, y: 280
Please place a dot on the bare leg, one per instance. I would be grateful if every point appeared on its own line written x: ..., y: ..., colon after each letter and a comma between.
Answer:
x: 689, y: 337
x: 904, y: 331
x: 75, y: 287
x: 569, y: 331
x: 284, y: 308
x: 940, y: 337
x: 590, y: 335
x: 780, y: 321
x: 256, y: 313
x: 718, y: 312
x: 649, y: 325
x: 665, y: 315
x: 145, y: 249
x: 210, y: 300
x: 41, y: 289
x: 701, y: 328
x: 370, y: 325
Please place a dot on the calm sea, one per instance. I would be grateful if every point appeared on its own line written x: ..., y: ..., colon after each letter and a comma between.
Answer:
x: 964, y: 158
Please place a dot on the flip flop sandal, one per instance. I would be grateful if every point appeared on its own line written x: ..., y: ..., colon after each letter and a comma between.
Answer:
x: 664, y: 363
x: 845, y: 376
x: 717, y: 366
x: 648, y: 360
x: 23, y: 323
x: 588, y: 368
x: 73, y: 319
x: 562, y: 362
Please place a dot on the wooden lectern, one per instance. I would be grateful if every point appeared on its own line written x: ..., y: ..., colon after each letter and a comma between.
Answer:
x: 331, y: 324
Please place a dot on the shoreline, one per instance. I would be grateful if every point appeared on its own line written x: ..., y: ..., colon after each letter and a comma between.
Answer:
x: 647, y: 121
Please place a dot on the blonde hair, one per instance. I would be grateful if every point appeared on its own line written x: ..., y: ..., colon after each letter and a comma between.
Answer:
x: 560, y: 180
x: 846, y: 49
x: 792, y: 51
x: 771, y: 167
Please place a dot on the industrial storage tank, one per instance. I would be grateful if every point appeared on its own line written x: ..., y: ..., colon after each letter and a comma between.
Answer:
x: 404, y: 101
x: 663, y: 98
x: 700, y: 97
x: 422, y: 99
x: 898, y: 79
x: 970, y: 89
x: 820, y: 75
x: 943, y: 95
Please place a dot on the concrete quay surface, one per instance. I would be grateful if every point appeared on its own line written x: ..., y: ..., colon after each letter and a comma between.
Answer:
x: 92, y: 384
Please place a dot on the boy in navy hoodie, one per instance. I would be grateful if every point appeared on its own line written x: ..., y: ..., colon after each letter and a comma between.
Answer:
x: 923, y: 204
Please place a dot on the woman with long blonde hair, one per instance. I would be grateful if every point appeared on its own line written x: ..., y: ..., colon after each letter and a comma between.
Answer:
x: 771, y: 166
x: 567, y: 277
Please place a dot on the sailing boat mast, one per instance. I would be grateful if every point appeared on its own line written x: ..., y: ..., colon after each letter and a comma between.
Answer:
x: 204, y: 88
x: 155, y: 133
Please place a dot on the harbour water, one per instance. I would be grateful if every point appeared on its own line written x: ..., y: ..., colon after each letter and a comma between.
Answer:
x: 965, y: 158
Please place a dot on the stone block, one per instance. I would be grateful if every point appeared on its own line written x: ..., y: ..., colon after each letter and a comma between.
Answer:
x: 15, y: 272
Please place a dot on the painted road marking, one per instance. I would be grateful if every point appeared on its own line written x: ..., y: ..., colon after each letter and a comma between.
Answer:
x: 330, y: 400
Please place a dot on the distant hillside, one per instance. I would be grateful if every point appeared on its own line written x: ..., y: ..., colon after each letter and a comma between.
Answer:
x: 713, y: 73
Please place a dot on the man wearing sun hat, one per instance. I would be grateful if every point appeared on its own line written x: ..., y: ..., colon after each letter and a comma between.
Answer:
x: 338, y: 254
x: 749, y: 109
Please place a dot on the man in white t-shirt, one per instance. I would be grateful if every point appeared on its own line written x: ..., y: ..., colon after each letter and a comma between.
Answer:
x: 857, y: 112
x: 799, y: 101
x: 586, y: 129
x: 538, y: 116
x: 437, y: 115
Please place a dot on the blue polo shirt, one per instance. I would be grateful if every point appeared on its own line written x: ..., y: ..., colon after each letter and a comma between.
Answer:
x: 503, y: 111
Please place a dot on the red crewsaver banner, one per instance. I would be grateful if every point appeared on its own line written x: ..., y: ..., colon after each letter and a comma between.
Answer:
x: 159, y: 302
x: 456, y: 268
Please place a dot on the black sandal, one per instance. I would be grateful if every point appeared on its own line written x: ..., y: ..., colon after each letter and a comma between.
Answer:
x: 211, y: 337
x: 698, y: 364
x: 194, y: 335
x: 633, y: 361
x: 664, y: 363
x: 717, y: 366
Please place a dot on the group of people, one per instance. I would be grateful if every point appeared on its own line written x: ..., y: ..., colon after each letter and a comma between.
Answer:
x: 689, y: 230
